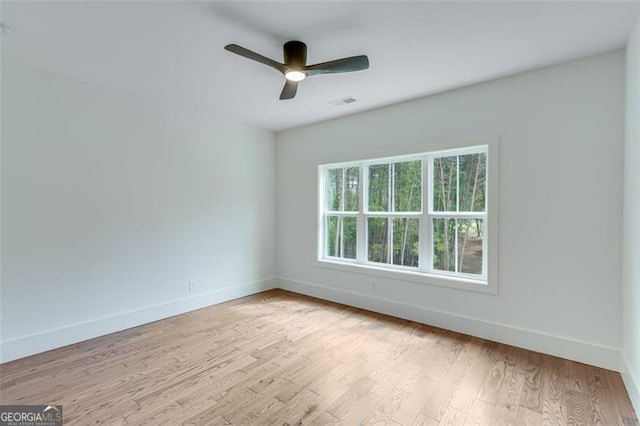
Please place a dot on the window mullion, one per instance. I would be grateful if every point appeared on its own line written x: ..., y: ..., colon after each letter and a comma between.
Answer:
x: 424, y: 261
x: 455, y: 245
x: 391, y: 208
x: 389, y: 240
x: 361, y: 225
x: 341, y: 231
x: 325, y: 236
x: 455, y: 221
x: 390, y: 190
x: 485, y: 250
x: 458, y: 183
x: 323, y: 206
x: 459, y: 215
x: 342, y: 188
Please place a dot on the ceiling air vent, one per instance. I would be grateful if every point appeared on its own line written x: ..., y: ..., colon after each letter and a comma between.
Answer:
x: 343, y: 101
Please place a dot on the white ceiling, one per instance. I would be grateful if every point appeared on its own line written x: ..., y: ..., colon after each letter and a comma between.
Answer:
x: 172, y: 52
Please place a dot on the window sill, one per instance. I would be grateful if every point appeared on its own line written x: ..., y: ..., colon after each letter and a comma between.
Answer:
x: 480, y: 286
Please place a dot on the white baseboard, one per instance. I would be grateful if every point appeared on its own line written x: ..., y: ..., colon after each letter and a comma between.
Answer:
x: 585, y: 352
x: 575, y: 350
x: 55, y: 338
x: 632, y: 383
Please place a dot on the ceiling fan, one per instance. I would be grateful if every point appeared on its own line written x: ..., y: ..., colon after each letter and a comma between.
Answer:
x: 295, y: 68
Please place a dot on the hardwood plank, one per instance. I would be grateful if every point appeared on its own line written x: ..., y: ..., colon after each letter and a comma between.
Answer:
x: 527, y: 417
x: 532, y: 394
x: 357, y: 413
x: 411, y: 406
x: 302, y: 379
x: 452, y: 417
x: 386, y: 381
x: 492, y: 382
x: 253, y: 413
x: 308, y: 407
x: 346, y: 403
x: 602, y: 400
x: 298, y: 410
x: 423, y: 420
x: 470, y: 385
x: 621, y: 398
x: 507, y: 404
x: 553, y: 409
x: 322, y: 419
x: 504, y: 415
x: 436, y: 406
x: 388, y: 408
x: 466, y: 357
x: 480, y: 414
x: 579, y: 408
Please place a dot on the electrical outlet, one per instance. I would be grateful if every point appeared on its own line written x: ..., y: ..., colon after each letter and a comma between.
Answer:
x: 192, y: 286
x: 374, y: 286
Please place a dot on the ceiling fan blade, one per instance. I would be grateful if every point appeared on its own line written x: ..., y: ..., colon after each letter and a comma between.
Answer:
x: 239, y: 50
x: 353, y: 63
x: 289, y: 90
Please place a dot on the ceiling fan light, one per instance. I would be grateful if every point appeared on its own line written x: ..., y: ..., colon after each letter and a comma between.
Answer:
x: 295, y: 75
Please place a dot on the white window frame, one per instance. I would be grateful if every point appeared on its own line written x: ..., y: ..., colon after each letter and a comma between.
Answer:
x: 487, y: 283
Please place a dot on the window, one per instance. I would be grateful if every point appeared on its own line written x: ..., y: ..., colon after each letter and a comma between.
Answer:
x: 393, y: 214
x: 342, y: 212
x: 424, y: 217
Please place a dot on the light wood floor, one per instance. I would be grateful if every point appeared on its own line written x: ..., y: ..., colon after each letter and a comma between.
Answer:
x: 280, y: 358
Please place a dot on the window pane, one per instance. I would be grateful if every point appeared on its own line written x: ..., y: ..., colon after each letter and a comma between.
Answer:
x: 444, y: 238
x: 470, y: 246
x: 349, y: 237
x: 406, y: 241
x: 334, y: 188
x: 407, y: 186
x: 333, y: 236
x: 377, y: 229
x: 341, y: 237
x: 379, y: 188
x: 445, y: 184
x: 473, y: 178
x: 351, y: 185
x: 342, y: 189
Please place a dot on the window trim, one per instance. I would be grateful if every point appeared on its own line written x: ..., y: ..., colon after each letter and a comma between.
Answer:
x: 486, y: 284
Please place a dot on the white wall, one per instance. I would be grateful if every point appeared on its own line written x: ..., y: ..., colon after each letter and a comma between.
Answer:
x: 111, y: 205
x: 631, y: 223
x: 560, y: 211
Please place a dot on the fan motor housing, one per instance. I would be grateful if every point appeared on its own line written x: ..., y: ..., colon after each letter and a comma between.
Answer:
x: 295, y: 54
